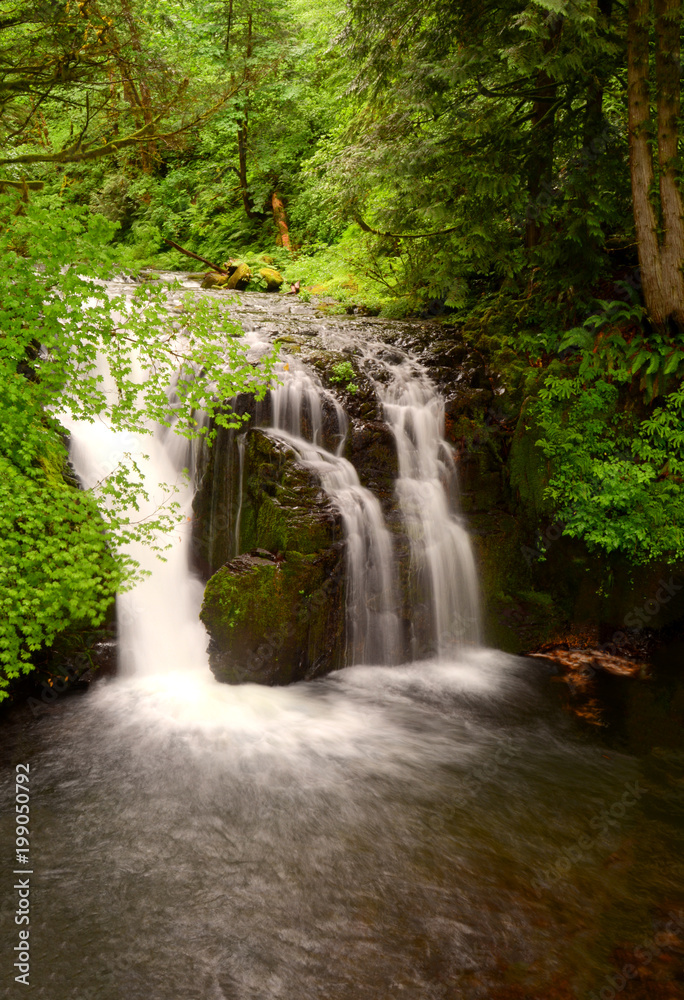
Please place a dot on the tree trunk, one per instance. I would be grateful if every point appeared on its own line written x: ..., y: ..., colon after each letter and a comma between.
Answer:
x: 594, y: 125
x: 540, y: 162
x: 660, y: 264
x: 230, y: 25
x: 280, y: 219
x: 242, y: 134
x: 242, y: 168
x: 140, y: 95
x: 668, y: 24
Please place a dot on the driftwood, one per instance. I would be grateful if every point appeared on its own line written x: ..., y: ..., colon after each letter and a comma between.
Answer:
x: 196, y: 256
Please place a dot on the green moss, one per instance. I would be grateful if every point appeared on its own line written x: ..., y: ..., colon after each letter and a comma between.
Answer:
x: 273, y: 622
x: 273, y: 530
x: 528, y: 468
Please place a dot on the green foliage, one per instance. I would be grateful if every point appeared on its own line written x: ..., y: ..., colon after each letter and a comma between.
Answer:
x: 617, y: 472
x: 614, y: 339
x: 413, y: 147
x: 345, y: 374
x: 66, y: 344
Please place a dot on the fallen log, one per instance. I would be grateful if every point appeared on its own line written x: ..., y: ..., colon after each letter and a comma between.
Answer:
x: 196, y: 256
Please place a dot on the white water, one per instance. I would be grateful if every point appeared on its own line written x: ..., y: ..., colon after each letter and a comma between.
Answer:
x: 159, y: 627
x: 241, y: 476
x: 158, y: 620
x: 440, y: 548
x: 371, y: 600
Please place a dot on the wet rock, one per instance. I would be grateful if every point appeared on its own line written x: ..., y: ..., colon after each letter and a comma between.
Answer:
x: 240, y: 277
x: 276, y: 622
x: 372, y: 451
x: 276, y: 615
x: 281, y: 506
x: 215, y: 280
x: 583, y: 662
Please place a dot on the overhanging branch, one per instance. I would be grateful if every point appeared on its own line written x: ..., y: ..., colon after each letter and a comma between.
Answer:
x: 401, y: 236
x: 77, y: 153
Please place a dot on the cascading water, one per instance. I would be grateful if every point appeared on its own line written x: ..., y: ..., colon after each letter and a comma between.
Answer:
x: 168, y: 593
x: 371, y: 601
x: 241, y: 476
x: 441, y: 552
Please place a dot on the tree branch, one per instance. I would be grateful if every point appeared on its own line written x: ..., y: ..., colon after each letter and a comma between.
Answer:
x: 74, y: 154
x: 400, y: 236
x: 195, y: 256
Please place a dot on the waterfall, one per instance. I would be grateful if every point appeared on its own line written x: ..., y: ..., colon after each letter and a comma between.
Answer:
x: 442, y: 558
x: 382, y: 621
x: 241, y: 476
x: 373, y: 634
x: 158, y: 619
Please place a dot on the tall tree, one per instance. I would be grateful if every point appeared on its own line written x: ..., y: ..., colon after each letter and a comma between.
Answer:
x: 660, y: 234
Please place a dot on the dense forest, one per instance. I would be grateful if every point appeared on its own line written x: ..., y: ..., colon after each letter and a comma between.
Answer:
x: 511, y: 168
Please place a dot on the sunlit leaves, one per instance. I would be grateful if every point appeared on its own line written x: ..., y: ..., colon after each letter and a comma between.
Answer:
x: 67, y: 345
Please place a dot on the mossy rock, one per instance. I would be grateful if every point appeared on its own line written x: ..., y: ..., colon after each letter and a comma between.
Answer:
x: 215, y: 280
x: 273, y: 278
x: 240, y: 277
x: 275, y: 622
x: 529, y: 469
x: 282, y: 506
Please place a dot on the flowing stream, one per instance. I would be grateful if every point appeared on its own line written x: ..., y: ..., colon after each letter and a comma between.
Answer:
x: 433, y: 830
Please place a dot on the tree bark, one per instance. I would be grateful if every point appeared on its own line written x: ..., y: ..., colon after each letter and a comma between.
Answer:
x: 668, y: 24
x: 242, y: 168
x: 196, y: 256
x: 139, y: 97
x: 230, y: 25
x: 280, y: 219
x: 660, y: 262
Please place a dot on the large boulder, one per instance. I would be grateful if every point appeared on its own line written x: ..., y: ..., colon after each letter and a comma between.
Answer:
x: 275, y: 614
x: 275, y: 621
